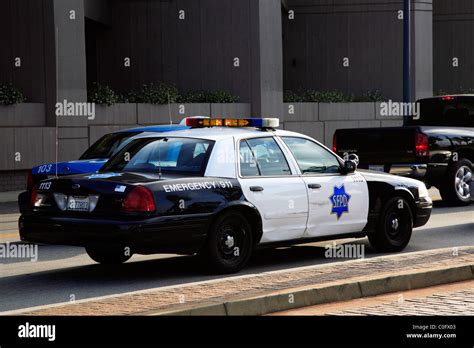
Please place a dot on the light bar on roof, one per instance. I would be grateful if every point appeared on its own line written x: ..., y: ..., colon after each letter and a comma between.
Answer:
x: 233, y: 122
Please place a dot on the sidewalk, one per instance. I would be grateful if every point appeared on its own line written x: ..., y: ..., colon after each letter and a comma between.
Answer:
x: 452, y: 299
x: 283, y: 290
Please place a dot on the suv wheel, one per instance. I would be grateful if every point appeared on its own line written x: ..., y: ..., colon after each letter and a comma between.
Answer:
x: 455, y: 190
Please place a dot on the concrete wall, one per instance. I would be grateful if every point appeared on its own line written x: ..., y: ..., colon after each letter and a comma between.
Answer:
x: 195, y: 53
x: 320, y: 120
x: 453, y: 25
x: 25, y: 34
x: 368, y: 33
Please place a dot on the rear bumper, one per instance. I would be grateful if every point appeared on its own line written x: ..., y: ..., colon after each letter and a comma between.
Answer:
x: 155, y: 235
x: 423, y: 211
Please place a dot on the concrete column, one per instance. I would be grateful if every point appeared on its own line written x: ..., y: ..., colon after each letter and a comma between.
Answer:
x: 71, y: 84
x: 267, y: 58
x: 422, y: 49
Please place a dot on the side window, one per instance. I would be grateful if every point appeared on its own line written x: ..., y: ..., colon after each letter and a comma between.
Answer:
x: 248, y: 166
x: 311, y: 157
x: 270, y: 159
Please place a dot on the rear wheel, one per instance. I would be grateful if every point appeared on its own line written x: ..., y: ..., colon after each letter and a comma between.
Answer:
x: 394, y: 228
x: 230, y: 243
x: 455, y: 189
x: 108, y: 255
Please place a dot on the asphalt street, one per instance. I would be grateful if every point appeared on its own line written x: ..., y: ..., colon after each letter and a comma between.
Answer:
x: 62, y: 274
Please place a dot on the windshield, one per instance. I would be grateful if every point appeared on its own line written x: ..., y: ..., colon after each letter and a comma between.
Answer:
x: 450, y: 112
x: 106, y: 146
x: 161, y: 155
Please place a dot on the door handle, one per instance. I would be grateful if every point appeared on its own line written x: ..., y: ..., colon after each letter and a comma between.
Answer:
x: 256, y: 188
x: 314, y: 186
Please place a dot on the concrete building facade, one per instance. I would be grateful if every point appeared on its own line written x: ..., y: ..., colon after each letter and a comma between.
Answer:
x: 54, y: 50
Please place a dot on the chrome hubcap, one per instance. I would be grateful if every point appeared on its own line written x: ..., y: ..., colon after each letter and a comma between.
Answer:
x: 395, y: 224
x: 229, y: 242
x: 461, y: 182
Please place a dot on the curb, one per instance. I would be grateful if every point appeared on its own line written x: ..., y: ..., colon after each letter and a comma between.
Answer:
x: 341, y: 291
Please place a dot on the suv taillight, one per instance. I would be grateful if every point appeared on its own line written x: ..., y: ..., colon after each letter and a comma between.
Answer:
x: 421, y: 145
x: 334, y: 143
x: 139, y: 200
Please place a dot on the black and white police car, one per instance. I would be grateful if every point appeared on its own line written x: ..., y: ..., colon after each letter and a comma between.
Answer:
x: 220, y: 190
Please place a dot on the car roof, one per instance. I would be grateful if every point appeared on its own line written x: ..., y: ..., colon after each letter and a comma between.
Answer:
x: 156, y: 128
x: 218, y: 133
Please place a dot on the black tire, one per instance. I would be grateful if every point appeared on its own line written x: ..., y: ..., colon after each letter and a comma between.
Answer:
x: 455, y: 190
x: 108, y: 255
x: 394, y: 228
x: 229, y: 243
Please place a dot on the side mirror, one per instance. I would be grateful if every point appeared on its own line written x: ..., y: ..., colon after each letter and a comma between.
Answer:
x: 348, y: 167
x: 354, y: 158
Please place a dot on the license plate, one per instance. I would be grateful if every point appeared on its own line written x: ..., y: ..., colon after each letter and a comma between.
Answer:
x: 377, y: 168
x: 75, y: 203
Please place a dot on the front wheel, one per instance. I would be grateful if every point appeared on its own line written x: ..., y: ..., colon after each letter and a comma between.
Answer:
x: 109, y: 255
x: 455, y: 189
x: 230, y: 243
x: 394, y: 228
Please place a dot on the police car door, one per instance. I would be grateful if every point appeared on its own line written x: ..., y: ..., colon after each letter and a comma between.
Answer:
x: 338, y: 203
x: 274, y: 186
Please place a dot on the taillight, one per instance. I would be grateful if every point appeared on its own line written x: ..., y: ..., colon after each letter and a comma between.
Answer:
x: 334, y: 143
x: 421, y: 145
x: 139, y: 200
x: 34, y: 196
x: 30, y: 182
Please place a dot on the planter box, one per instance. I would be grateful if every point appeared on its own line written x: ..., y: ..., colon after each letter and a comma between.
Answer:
x: 22, y: 115
x: 346, y: 111
x: 36, y: 145
x: 305, y: 112
x: 125, y: 114
x: 150, y: 114
x: 235, y: 110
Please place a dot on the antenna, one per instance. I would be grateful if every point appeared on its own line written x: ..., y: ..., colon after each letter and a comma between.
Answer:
x: 57, y: 98
x: 169, y: 109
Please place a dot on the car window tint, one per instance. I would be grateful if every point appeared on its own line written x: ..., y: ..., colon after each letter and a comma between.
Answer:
x: 174, y: 155
x: 311, y: 157
x: 248, y: 165
x: 270, y: 158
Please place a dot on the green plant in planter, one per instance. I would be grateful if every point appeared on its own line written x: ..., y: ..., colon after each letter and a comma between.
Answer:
x: 218, y: 96
x: 293, y: 97
x: 371, y: 96
x: 10, y: 95
x: 326, y: 97
x: 161, y: 93
x: 221, y: 96
x: 103, y: 95
x: 193, y: 97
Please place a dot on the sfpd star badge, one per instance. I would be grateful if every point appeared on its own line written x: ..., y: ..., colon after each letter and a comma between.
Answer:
x: 340, y: 201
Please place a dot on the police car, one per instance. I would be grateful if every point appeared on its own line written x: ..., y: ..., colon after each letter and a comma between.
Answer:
x: 220, y: 190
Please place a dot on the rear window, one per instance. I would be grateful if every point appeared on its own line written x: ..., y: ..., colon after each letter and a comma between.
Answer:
x: 165, y: 155
x: 106, y: 146
x: 452, y: 112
